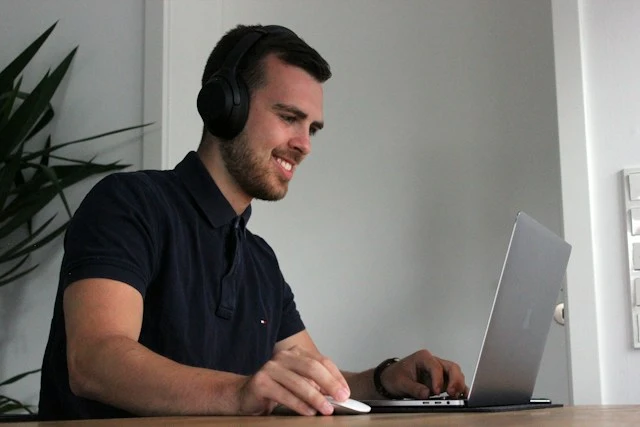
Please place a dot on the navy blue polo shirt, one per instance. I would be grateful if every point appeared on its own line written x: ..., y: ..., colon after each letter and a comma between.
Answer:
x: 214, y: 295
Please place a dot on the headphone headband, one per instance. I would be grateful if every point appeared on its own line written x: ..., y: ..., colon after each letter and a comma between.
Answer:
x: 223, y: 101
x: 230, y: 64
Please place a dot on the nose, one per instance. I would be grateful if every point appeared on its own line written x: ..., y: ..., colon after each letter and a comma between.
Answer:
x: 301, y: 143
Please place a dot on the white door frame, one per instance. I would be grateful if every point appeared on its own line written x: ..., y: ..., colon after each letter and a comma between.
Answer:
x: 580, y: 295
x: 156, y: 87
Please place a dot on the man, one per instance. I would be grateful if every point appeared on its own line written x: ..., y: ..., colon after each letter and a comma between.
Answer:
x: 167, y: 304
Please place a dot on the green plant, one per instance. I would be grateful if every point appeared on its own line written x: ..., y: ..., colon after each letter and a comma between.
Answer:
x: 31, y: 177
x: 7, y: 404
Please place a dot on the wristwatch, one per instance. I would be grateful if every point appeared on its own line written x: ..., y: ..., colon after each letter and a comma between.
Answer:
x: 377, y: 382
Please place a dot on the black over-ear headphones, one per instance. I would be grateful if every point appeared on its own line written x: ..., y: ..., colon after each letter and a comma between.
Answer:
x: 223, y: 101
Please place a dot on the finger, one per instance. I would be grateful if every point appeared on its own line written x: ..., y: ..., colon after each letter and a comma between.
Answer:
x: 272, y: 390
x: 328, y: 363
x: 406, y: 379
x: 321, y: 370
x: 335, y: 372
x: 417, y: 389
x: 319, y: 373
x: 313, y: 384
x: 424, y: 380
x: 455, y: 378
x: 291, y: 375
x: 435, y: 371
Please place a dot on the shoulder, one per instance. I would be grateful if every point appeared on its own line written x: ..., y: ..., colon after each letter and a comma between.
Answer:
x: 131, y: 189
x: 143, y: 181
x: 125, y: 199
x: 262, y: 247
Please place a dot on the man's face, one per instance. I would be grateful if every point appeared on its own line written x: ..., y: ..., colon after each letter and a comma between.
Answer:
x: 284, y: 113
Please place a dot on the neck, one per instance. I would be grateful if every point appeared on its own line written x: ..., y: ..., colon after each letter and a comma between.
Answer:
x: 212, y: 160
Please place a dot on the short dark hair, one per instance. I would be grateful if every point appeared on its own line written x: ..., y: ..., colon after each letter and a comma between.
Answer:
x: 287, y: 46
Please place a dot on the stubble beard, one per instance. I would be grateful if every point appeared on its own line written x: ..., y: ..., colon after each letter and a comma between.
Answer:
x: 251, y: 175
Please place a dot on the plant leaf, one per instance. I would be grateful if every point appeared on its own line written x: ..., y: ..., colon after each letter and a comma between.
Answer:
x: 79, y: 161
x: 15, y: 267
x: 26, y: 115
x: 39, y: 153
x: 50, y: 173
x: 46, y: 118
x: 17, y: 276
x: 65, y: 173
x: 8, y: 255
x: 46, y: 157
x: 26, y: 213
x: 18, y: 377
x: 8, y: 100
x: 8, y: 404
x: 33, y: 193
x: 8, y: 175
x: 19, y: 182
x: 9, y: 74
x: 37, y: 245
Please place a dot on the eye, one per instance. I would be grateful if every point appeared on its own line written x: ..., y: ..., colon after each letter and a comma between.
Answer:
x: 288, y: 119
x: 313, y: 131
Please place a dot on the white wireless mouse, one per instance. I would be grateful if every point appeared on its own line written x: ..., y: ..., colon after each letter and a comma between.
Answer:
x: 348, y: 407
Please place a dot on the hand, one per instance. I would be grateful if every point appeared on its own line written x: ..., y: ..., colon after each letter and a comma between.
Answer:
x: 422, y: 374
x: 297, y: 379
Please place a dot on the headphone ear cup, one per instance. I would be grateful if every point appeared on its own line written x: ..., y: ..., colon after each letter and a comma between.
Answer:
x: 221, y: 115
x: 239, y: 112
x: 223, y: 101
x: 215, y: 102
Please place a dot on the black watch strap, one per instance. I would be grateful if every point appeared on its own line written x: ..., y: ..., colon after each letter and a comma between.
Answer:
x: 378, y: 382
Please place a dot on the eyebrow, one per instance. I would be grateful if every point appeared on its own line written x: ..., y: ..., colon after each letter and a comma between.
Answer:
x: 298, y: 113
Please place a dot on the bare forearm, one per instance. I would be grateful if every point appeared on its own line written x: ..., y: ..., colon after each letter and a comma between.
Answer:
x: 122, y: 373
x: 361, y: 385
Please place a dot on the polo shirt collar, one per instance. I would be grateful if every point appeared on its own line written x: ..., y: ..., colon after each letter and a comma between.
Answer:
x: 206, y: 194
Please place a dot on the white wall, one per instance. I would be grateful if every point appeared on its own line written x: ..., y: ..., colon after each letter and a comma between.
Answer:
x: 102, y: 92
x: 598, y: 115
x: 611, y: 70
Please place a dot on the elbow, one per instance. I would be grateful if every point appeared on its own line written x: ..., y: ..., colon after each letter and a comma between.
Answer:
x: 76, y: 384
x: 79, y: 375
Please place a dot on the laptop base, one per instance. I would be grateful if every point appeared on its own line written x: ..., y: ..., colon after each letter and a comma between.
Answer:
x: 433, y: 408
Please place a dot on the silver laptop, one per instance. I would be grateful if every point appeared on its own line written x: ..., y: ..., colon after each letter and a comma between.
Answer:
x: 514, y: 340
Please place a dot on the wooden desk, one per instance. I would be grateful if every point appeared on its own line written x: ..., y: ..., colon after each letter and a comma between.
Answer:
x: 582, y: 416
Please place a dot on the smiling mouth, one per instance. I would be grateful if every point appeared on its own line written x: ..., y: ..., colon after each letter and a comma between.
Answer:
x: 285, y: 164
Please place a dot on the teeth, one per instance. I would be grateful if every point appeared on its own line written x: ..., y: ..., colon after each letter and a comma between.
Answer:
x: 288, y: 166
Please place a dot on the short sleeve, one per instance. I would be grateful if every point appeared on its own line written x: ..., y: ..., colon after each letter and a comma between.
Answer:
x: 115, y: 233
x: 291, y: 321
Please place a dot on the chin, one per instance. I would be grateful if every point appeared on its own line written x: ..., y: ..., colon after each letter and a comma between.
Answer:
x: 278, y: 191
x: 274, y: 197
x: 270, y: 195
